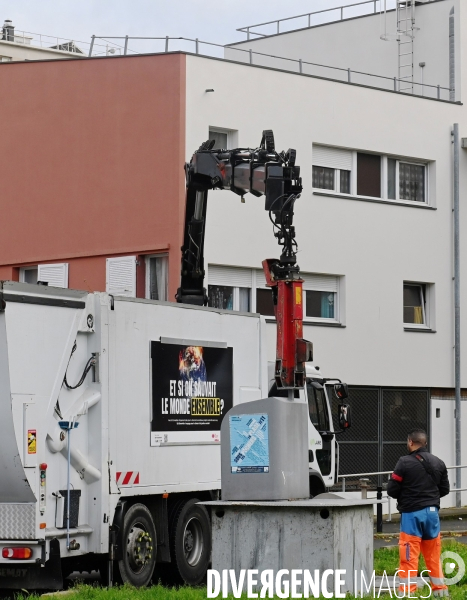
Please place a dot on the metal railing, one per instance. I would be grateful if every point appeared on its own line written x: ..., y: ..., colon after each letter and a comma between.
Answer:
x: 299, y: 66
x: 364, y: 488
x: 49, y: 42
x: 342, y: 12
x: 360, y: 475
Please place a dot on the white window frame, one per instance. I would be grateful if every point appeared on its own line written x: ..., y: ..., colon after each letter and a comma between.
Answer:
x: 232, y: 135
x: 236, y: 295
x: 337, y: 180
x: 397, y: 182
x: 222, y: 280
x: 384, y: 196
x: 428, y: 306
x: 147, y: 258
x: 258, y: 282
x: 337, y: 298
x: 335, y: 319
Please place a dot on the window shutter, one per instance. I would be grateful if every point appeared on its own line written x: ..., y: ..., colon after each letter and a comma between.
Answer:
x: 334, y: 158
x: 319, y: 283
x: 55, y: 275
x: 121, y: 276
x: 369, y: 175
x: 233, y: 276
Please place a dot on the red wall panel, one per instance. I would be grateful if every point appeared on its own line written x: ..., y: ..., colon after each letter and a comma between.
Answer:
x: 91, y: 162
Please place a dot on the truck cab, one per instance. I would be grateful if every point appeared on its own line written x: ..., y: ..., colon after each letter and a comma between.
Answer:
x: 323, y: 449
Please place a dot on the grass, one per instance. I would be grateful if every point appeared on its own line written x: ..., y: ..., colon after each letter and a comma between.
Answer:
x: 385, y: 559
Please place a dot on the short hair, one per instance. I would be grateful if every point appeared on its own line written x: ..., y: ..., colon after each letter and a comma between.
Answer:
x: 418, y: 436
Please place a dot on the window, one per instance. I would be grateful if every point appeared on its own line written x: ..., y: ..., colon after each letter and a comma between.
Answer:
x: 54, y: 275
x: 224, y: 138
x: 234, y: 288
x: 28, y: 274
x: 229, y: 288
x: 157, y: 277
x: 320, y: 294
x: 406, y: 181
x: 320, y: 304
x: 5, y: 58
x: 419, y: 306
x: 369, y: 175
x: 331, y: 169
x: 414, y: 304
x: 264, y: 302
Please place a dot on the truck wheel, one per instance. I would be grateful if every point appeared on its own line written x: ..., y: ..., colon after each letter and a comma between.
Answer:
x: 190, y: 541
x: 139, y: 546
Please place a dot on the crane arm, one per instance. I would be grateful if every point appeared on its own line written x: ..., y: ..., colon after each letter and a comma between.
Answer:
x: 260, y: 171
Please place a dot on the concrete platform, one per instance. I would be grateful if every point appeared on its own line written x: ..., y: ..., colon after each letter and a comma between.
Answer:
x: 317, y: 534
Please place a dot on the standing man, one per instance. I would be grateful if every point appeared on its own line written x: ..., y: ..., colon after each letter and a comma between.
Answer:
x: 418, y: 482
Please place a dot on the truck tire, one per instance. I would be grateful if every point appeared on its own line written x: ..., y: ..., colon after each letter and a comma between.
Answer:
x: 190, y: 542
x: 139, y: 546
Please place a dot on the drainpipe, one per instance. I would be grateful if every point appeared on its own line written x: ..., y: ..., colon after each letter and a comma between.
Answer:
x: 452, y: 58
x: 457, y: 310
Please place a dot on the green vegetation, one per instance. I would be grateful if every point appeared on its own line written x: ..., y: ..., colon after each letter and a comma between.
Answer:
x: 386, y: 559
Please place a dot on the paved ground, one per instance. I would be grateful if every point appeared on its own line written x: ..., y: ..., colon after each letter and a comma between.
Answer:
x: 453, y: 524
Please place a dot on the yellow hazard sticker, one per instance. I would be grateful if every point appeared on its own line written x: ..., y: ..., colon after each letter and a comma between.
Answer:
x: 298, y: 295
x: 32, y: 441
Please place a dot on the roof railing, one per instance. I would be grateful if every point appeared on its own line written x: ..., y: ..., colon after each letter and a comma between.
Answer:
x: 53, y: 43
x: 293, y: 65
x: 341, y: 13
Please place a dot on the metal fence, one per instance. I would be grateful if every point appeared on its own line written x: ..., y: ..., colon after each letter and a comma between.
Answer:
x: 51, y: 42
x: 143, y: 45
x: 381, y: 418
x: 317, y: 17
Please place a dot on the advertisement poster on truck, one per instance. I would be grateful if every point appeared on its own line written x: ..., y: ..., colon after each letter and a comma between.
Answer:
x: 192, y: 390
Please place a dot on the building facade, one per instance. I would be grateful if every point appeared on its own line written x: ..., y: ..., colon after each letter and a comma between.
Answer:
x: 93, y: 198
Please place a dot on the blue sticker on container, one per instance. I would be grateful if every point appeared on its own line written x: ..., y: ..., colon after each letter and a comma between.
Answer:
x: 249, y: 444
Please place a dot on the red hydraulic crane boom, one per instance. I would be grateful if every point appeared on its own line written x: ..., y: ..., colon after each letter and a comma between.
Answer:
x: 259, y: 171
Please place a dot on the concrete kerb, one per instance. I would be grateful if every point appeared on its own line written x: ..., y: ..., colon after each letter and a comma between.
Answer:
x: 444, y: 534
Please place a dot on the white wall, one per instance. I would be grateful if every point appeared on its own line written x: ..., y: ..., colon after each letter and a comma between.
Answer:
x: 356, y: 44
x: 375, y: 246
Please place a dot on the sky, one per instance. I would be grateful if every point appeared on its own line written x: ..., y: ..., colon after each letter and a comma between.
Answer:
x: 210, y: 20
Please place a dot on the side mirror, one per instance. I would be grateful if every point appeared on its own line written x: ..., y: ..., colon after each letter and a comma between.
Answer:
x: 341, y: 390
x: 345, y: 419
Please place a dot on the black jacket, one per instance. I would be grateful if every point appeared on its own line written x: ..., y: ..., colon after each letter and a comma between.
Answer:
x: 413, y: 486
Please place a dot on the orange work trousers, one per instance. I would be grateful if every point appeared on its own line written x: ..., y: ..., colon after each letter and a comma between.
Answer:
x: 420, y: 531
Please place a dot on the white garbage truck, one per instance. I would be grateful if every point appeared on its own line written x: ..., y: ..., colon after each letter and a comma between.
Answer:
x: 110, y: 412
x: 111, y: 407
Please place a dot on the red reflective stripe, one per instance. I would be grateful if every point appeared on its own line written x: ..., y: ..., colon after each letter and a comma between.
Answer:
x: 119, y: 473
x: 137, y: 478
x: 396, y: 477
x: 128, y: 475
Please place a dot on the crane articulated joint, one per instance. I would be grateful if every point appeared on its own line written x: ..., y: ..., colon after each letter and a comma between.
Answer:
x: 259, y: 171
